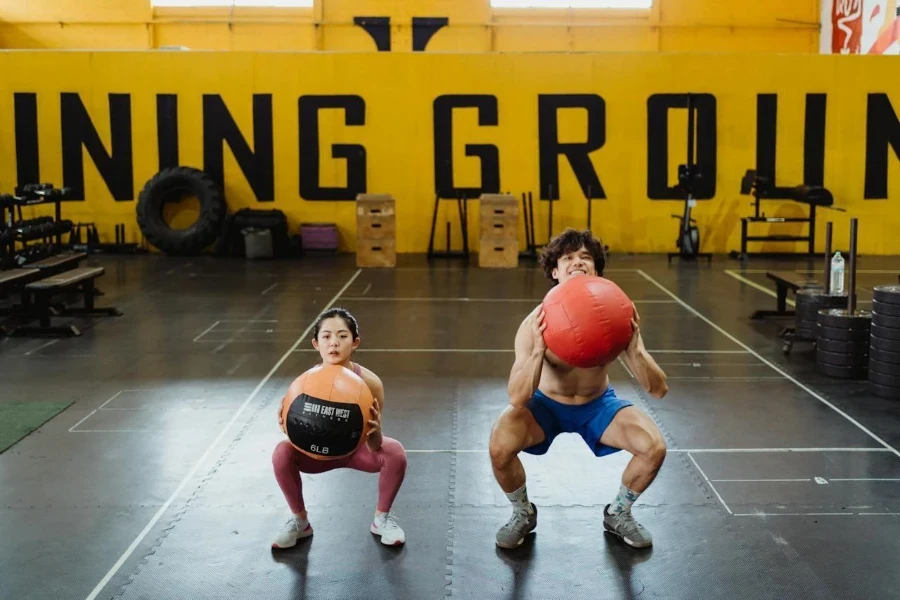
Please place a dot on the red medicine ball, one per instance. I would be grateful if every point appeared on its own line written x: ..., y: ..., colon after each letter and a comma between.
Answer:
x: 588, y: 321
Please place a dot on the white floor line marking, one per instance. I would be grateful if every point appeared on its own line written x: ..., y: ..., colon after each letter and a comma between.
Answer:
x: 817, y: 271
x: 724, y: 378
x: 131, y: 548
x: 630, y: 374
x: 697, y: 450
x: 41, y: 347
x: 269, y: 289
x: 208, y: 329
x: 867, y: 479
x: 774, y: 367
x: 772, y: 450
x: 435, y: 350
x: 712, y: 487
x: 467, y: 299
x: 757, y: 286
x: 755, y: 480
x: 699, y: 352
x: 114, y: 396
x: 811, y: 514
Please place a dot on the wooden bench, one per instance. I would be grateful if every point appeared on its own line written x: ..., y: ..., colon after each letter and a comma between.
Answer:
x: 784, y: 281
x: 43, y: 291
x: 58, y: 263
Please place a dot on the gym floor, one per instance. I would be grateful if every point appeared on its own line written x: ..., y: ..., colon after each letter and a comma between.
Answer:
x: 157, y: 481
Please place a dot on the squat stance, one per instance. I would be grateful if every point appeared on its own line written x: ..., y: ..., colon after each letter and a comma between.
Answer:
x: 548, y: 397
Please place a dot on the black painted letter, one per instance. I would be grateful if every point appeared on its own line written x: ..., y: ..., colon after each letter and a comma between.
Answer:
x: 167, y: 130
x: 813, y: 142
x: 355, y: 154
x: 882, y: 130
x: 116, y: 167
x: 258, y: 165
x: 443, y: 145
x: 577, y: 153
x: 27, y: 155
x: 658, y: 107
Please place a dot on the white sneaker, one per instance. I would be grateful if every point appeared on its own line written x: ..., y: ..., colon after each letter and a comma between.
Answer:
x: 386, y: 526
x: 292, y: 531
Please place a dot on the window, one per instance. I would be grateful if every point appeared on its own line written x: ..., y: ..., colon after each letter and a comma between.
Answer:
x: 226, y: 3
x: 571, y: 3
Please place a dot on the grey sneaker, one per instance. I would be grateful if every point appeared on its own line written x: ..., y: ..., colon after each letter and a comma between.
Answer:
x: 624, y: 526
x: 519, y: 525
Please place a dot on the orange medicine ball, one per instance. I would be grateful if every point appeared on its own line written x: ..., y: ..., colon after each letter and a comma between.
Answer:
x: 326, y: 412
x: 588, y: 321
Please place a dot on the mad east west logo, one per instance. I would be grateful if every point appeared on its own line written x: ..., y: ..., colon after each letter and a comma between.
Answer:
x: 257, y: 160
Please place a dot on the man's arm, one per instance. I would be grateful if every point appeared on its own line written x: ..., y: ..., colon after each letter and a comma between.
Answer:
x: 645, y: 369
x: 530, y: 347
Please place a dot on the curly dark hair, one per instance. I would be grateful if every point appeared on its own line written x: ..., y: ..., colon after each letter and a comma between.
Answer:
x: 341, y: 313
x: 571, y: 240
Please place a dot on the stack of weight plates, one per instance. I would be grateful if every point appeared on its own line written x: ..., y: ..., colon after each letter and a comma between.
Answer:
x: 842, y: 343
x: 807, y: 306
x: 884, y: 351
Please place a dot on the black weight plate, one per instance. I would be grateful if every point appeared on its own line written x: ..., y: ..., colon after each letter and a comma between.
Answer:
x: 885, y: 368
x: 845, y: 335
x: 884, y: 344
x: 841, y: 372
x: 883, y: 308
x: 886, y: 333
x: 883, y: 356
x: 885, y: 321
x: 892, y: 381
x: 889, y: 294
x: 840, y: 318
x: 841, y: 360
x: 806, y: 333
x: 817, y: 297
x: 883, y: 391
x: 843, y: 347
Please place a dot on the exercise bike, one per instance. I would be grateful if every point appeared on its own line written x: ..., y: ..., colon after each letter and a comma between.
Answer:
x: 688, y: 241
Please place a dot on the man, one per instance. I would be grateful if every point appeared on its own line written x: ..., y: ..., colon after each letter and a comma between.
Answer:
x: 548, y: 397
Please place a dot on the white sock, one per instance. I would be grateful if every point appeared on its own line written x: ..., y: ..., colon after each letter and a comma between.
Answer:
x: 519, y: 498
x: 623, y: 501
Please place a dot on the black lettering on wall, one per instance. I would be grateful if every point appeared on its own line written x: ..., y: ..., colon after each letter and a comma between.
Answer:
x: 578, y: 153
x: 27, y: 155
x: 658, y: 106
x: 443, y: 145
x: 78, y: 131
x: 813, y: 142
x: 882, y: 130
x: 355, y: 154
x: 424, y: 28
x: 258, y: 165
x: 379, y: 28
x: 167, y: 130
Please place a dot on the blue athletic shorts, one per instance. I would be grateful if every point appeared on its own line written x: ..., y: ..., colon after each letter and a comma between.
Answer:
x: 588, y: 420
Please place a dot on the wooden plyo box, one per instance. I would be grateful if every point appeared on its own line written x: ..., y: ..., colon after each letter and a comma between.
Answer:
x: 499, y: 232
x: 376, y: 231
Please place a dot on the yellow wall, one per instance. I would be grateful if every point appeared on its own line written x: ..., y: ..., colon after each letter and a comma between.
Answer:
x: 764, y: 26
x: 399, y: 91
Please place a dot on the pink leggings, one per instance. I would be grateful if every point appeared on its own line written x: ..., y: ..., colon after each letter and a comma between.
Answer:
x: 389, y: 462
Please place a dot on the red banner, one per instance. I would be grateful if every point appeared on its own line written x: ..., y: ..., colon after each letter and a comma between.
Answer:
x: 846, y: 26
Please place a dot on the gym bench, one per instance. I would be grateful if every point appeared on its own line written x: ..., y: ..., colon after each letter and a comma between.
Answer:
x: 784, y: 281
x: 43, y: 291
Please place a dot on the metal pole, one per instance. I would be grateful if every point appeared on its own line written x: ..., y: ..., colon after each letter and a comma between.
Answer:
x: 851, y: 301
x: 828, y: 226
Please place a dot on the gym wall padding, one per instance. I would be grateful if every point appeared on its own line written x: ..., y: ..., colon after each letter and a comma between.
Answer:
x: 292, y: 123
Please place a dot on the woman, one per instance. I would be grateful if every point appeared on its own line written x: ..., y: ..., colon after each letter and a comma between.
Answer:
x: 335, y: 336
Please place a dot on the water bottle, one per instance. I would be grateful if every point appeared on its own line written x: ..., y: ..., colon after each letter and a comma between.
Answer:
x: 837, y: 274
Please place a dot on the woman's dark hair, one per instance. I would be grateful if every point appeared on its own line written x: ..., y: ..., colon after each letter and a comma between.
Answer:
x: 341, y: 313
x: 568, y: 241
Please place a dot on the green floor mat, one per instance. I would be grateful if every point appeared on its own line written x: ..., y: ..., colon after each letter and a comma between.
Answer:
x: 18, y: 419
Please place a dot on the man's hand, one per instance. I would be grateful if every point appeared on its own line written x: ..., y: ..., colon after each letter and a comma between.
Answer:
x: 636, y: 343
